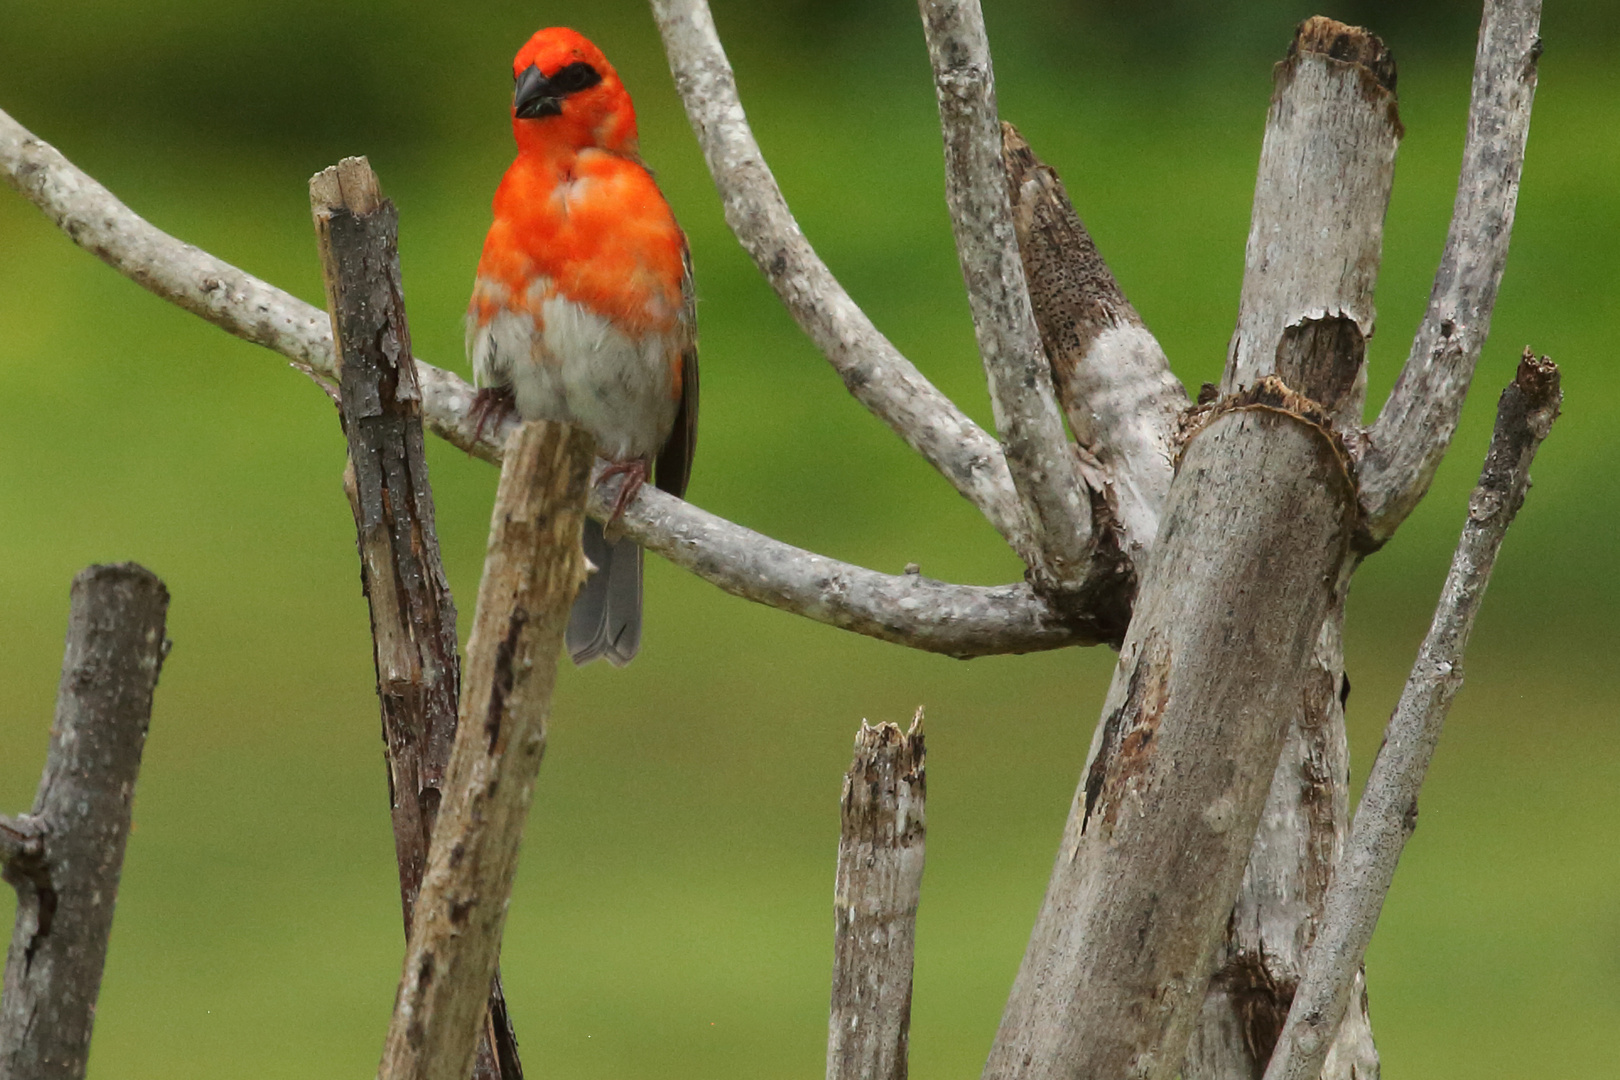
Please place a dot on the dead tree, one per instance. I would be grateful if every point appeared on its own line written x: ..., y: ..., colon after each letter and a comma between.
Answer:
x: 1203, y: 879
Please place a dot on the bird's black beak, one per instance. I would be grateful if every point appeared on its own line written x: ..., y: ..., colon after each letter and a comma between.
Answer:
x: 534, y: 96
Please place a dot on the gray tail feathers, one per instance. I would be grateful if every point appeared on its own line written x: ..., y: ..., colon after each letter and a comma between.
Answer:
x: 606, y: 620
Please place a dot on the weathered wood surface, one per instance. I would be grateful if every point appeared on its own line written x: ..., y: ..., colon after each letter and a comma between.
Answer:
x: 532, y: 571
x: 64, y: 857
x: 413, y: 615
x: 1315, y: 244
x: 879, y: 880
x: 1112, y: 378
x: 1387, y: 813
x: 1257, y: 523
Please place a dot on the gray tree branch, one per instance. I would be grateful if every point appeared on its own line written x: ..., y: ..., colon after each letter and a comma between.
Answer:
x: 413, y: 615
x: 1403, y: 449
x: 1045, y: 470
x: 532, y: 571
x: 872, y: 368
x: 65, y: 857
x: 880, y: 866
x: 941, y: 617
x: 1388, y: 810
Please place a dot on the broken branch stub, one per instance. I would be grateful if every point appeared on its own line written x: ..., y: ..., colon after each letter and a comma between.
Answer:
x: 1387, y: 813
x: 880, y: 866
x: 1112, y: 378
x: 1257, y: 523
x: 413, y: 615
x: 65, y: 857
x: 532, y: 572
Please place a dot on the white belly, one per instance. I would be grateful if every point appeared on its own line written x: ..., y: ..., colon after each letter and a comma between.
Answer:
x: 576, y: 367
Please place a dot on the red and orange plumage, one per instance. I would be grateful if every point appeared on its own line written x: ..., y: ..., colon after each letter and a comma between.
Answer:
x: 583, y: 307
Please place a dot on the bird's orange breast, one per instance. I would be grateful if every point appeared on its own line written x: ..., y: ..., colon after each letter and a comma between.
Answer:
x: 596, y: 226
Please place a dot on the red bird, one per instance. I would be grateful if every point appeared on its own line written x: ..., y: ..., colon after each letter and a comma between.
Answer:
x: 583, y: 309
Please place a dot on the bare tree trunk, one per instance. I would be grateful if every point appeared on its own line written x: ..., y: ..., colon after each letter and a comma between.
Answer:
x: 64, y: 858
x: 413, y: 615
x: 880, y: 865
x: 1326, y: 169
x: 533, y: 569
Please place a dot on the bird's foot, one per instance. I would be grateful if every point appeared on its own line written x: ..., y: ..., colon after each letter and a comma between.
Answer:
x: 634, y: 472
x: 491, y: 405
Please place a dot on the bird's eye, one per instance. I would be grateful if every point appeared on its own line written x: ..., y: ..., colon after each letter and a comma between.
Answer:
x: 574, y: 77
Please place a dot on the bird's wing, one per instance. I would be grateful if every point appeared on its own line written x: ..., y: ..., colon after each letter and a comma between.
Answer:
x: 674, y: 464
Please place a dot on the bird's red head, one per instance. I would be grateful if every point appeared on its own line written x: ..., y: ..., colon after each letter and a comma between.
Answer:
x: 567, y: 96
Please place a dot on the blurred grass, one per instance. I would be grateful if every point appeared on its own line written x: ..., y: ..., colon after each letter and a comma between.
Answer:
x: 671, y: 917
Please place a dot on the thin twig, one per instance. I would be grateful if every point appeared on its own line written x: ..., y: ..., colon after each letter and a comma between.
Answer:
x: 879, y: 880
x: 1388, y: 810
x: 532, y: 572
x: 873, y: 370
x: 64, y: 859
x: 1415, y: 427
x: 413, y: 615
x: 255, y: 311
x: 1044, y: 467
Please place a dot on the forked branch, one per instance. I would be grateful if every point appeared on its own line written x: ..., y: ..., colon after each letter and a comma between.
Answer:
x: 1388, y: 811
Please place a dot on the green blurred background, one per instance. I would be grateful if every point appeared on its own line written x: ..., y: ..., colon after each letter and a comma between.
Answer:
x: 672, y: 914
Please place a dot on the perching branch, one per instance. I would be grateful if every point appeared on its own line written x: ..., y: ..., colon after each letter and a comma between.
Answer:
x: 258, y: 312
x: 413, y: 615
x: 880, y: 866
x: 532, y: 571
x: 1388, y: 811
x: 65, y: 857
x: 1414, y: 429
x: 1112, y: 377
x: 1045, y: 469
x: 872, y: 368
